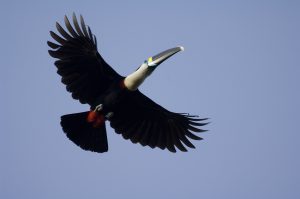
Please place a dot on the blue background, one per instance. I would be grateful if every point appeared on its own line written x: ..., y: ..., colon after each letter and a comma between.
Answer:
x: 241, y: 68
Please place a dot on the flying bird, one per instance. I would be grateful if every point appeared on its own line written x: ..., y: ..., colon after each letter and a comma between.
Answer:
x: 113, y: 97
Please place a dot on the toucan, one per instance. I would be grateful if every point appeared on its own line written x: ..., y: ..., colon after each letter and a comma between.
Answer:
x: 113, y: 97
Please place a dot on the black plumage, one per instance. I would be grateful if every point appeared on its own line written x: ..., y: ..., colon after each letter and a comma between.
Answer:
x: 91, y: 80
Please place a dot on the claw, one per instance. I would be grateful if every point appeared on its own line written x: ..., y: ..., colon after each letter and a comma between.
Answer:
x: 109, y: 115
x: 99, y: 107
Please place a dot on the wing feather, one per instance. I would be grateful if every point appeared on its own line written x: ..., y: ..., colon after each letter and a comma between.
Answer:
x: 154, y: 135
x: 63, y: 32
x: 161, y: 141
x: 175, y: 137
x: 182, y: 137
x: 57, y: 38
x: 146, y: 133
x: 169, y: 141
x: 192, y: 136
x: 83, y: 70
x: 83, y: 27
x: 147, y: 123
x: 127, y: 134
x: 139, y: 131
x: 69, y: 27
x: 95, y: 42
x: 91, y: 35
x: 53, y: 45
x: 77, y: 27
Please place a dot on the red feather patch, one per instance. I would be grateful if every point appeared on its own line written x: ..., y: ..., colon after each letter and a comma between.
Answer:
x: 95, y: 118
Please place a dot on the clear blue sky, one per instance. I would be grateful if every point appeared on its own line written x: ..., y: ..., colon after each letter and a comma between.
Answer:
x: 241, y: 68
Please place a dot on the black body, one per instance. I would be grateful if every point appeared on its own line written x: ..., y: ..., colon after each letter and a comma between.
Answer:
x: 91, y: 80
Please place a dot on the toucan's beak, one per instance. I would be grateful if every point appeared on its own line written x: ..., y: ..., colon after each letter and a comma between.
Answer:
x: 161, y: 57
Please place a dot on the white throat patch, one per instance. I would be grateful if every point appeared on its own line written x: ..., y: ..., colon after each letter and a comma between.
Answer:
x: 134, y: 80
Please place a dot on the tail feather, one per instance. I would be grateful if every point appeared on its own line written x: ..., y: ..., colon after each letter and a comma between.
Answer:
x: 83, y: 134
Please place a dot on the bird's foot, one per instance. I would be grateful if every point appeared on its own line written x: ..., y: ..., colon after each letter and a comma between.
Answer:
x: 99, y: 108
x: 109, y: 115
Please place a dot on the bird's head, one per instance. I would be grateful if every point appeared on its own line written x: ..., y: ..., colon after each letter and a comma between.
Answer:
x: 134, y: 80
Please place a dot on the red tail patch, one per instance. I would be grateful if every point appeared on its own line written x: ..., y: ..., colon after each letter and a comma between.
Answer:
x: 96, y: 118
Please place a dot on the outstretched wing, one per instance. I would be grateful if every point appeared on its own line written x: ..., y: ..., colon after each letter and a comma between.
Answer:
x: 83, y: 70
x: 142, y: 120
